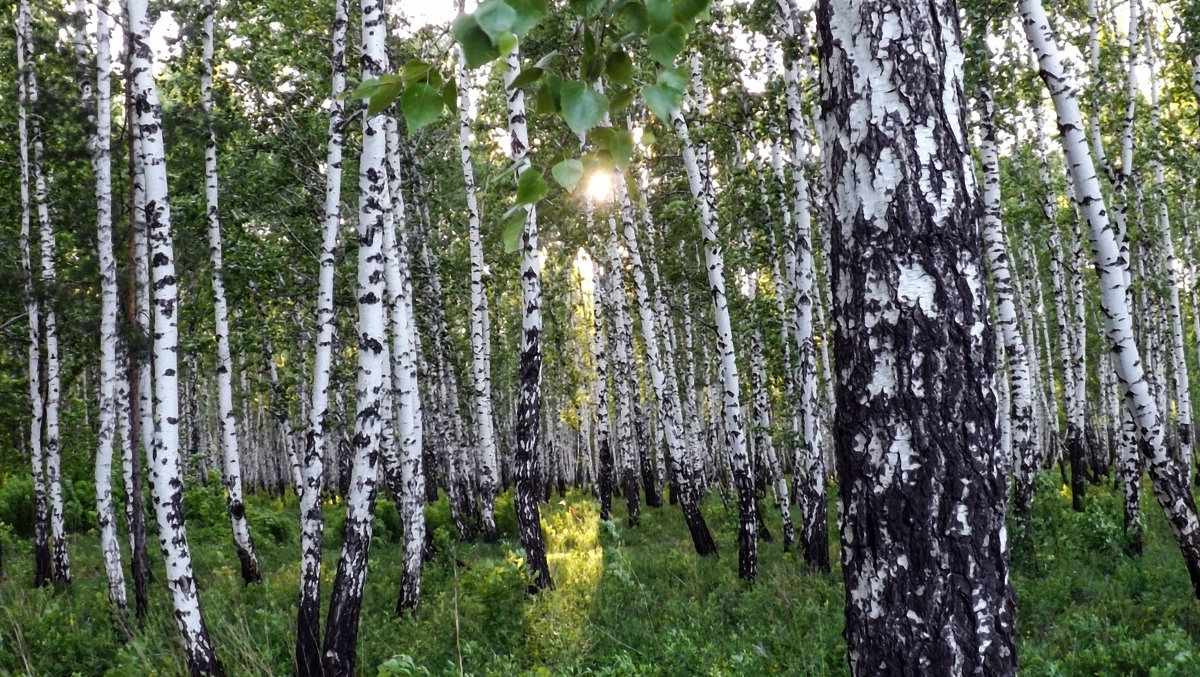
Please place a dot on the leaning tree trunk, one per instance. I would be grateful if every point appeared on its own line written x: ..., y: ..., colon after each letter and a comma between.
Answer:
x: 529, y: 407
x: 165, y: 465
x: 51, y: 441
x: 308, y: 622
x: 666, y: 388
x: 41, y: 520
x: 231, y: 463
x: 1170, y: 487
x: 924, y: 546
x: 702, y: 191
x: 374, y: 205
x: 481, y: 379
x: 100, y: 147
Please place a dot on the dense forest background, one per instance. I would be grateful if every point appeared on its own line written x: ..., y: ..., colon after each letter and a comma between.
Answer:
x: 608, y: 340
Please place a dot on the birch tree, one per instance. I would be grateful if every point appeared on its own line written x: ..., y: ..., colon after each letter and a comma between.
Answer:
x: 924, y: 547
x: 165, y: 465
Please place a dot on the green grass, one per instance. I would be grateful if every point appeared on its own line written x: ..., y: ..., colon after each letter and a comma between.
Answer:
x: 628, y: 601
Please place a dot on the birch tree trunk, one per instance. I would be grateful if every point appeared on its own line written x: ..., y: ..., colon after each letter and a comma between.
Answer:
x: 374, y: 205
x: 924, y: 545
x: 165, y: 465
x: 481, y: 378
x: 1170, y: 487
x: 100, y: 148
x: 231, y: 464
x: 600, y: 349
x: 41, y: 519
x: 308, y: 657
x: 739, y: 458
x: 50, y: 442
x: 624, y: 376
x: 529, y: 407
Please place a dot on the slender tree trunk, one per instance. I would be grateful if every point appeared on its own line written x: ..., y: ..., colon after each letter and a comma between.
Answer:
x: 924, y: 545
x: 308, y: 622
x: 702, y: 191
x: 481, y: 379
x: 100, y: 147
x: 374, y: 204
x: 530, y: 403
x: 41, y: 520
x: 51, y: 442
x: 166, y: 468
x: 231, y: 465
x: 624, y: 375
x: 600, y: 349
x: 1170, y: 488
x: 1020, y: 412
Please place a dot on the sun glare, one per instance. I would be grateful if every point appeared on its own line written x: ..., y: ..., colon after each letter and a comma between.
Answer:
x: 600, y: 187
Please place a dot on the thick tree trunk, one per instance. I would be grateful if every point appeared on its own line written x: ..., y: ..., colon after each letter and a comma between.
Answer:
x: 529, y: 405
x: 166, y: 468
x: 924, y: 546
x: 1170, y: 487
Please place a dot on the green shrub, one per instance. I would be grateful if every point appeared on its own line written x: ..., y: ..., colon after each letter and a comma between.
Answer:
x: 16, y: 504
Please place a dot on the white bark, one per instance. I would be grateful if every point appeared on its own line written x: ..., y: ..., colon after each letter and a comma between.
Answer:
x: 1172, y: 493
x: 165, y: 466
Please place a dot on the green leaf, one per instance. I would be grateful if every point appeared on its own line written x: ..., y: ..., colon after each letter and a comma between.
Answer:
x: 388, y: 89
x: 415, y: 70
x: 527, y: 76
x: 620, y: 99
x: 568, y: 173
x: 620, y: 67
x: 661, y: 100
x: 506, y: 43
x: 687, y: 11
x: 543, y: 101
x: 510, y: 232
x: 529, y: 13
x: 675, y: 78
x: 531, y: 187
x: 477, y: 45
x: 660, y: 15
x: 495, y: 17
x: 582, y: 106
x: 648, y: 138
x: 667, y: 45
x: 450, y: 95
x: 621, y: 147
x: 636, y: 18
x: 421, y: 104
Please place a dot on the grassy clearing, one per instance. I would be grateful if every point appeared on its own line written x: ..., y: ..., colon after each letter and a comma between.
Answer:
x: 627, y: 602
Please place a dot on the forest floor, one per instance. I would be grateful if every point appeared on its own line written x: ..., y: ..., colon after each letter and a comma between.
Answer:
x: 628, y: 601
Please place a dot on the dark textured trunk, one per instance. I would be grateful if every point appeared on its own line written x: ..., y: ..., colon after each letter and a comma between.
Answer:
x: 645, y: 458
x: 605, y: 483
x: 1076, y: 455
x: 924, y: 547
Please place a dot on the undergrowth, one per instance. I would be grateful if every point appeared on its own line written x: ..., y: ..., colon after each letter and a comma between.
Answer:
x: 627, y: 601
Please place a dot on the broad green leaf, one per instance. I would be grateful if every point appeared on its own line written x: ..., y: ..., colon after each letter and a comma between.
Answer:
x: 636, y: 18
x: 660, y: 14
x: 510, y: 232
x: 598, y: 161
x: 506, y: 42
x: 620, y: 99
x: 384, y: 94
x: 526, y: 76
x: 665, y: 46
x: 601, y: 136
x: 450, y: 95
x: 620, y: 67
x: 415, y: 70
x: 531, y: 187
x: 621, y: 147
x: 477, y: 45
x: 545, y: 60
x: 495, y: 17
x: 543, y: 101
x: 661, y: 100
x: 687, y: 11
x: 529, y: 13
x: 675, y: 78
x: 568, y: 173
x: 422, y: 104
x: 648, y: 138
x: 582, y: 106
